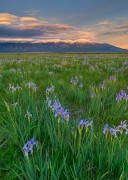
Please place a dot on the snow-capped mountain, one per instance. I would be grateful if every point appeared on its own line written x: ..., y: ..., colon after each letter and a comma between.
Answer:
x: 60, y: 46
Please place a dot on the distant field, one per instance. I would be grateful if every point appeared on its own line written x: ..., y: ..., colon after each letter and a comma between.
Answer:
x: 62, y: 116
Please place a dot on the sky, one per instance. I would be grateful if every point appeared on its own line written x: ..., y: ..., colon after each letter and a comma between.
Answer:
x: 102, y: 21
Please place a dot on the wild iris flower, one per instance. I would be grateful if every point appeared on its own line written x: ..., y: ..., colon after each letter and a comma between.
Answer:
x: 74, y: 81
x: 31, y: 85
x: 106, y: 129
x: 50, y: 90
x: 49, y: 102
x: 113, y: 131
x: 58, y: 110
x: 50, y: 73
x: 123, y: 125
x: 81, y: 85
x: 113, y: 77
x: 64, y: 114
x: 28, y: 147
x: 122, y: 95
x: 14, y: 88
x: 118, y: 129
x: 14, y: 104
x: 56, y: 105
x: 102, y: 86
x: 91, y: 94
x: 28, y: 114
x: 85, y: 123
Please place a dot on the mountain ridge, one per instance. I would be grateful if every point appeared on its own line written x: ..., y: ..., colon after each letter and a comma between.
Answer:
x: 60, y: 46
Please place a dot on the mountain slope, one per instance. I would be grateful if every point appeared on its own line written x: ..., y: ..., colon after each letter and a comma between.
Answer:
x: 9, y: 47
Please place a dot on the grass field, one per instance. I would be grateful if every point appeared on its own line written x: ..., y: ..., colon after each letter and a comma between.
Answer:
x: 62, y: 116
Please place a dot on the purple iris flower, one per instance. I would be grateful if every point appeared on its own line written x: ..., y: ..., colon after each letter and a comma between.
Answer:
x: 118, y: 129
x: 121, y: 95
x: 91, y: 94
x: 114, y: 131
x: 106, y: 128
x: 123, y: 125
x: 85, y: 123
x: 102, y: 86
x: 63, y: 114
x: 28, y: 147
x: 81, y: 85
x: 113, y: 77
x: 50, y: 90
x: 126, y: 96
x: 56, y: 105
x: 74, y: 80
x: 58, y: 110
x: 82, y: 123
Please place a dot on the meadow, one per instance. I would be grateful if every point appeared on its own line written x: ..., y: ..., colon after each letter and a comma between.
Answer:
x: 64, y: 116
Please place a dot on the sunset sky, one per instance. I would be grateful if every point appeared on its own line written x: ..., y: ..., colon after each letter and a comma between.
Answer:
x: 70, y: 20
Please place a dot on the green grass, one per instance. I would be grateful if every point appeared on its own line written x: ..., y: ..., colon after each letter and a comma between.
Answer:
x: 65, y: 151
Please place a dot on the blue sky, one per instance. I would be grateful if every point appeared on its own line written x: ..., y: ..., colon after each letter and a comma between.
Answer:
x: 48, y: 20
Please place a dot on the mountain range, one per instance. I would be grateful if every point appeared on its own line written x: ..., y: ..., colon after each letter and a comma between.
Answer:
x: 13, y: 47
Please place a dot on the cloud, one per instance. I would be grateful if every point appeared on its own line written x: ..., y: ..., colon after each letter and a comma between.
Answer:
x: 32, y: 12
x: 27, y: 28
x: 30, y: 27
x: 104, y: 23
x: 113, y: 33
x: 121, y: 27
x: 22, y: 19
x: 6, y: 32
x: 6, y: 19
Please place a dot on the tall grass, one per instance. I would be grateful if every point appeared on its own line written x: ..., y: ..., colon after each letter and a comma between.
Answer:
x: 65, y: 150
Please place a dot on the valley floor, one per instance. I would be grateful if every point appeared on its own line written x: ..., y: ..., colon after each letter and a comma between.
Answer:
x: 63, y: 116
